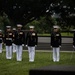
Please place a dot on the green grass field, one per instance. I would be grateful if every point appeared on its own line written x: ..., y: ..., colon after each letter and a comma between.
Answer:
x: 12, y: 67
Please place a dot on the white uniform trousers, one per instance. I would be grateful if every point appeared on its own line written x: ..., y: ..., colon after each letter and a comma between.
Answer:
x: 56, y: 54
x: 19, y: 52
x: 31, y: 51
x: 14, y: 48
x: 8, y: 52
x: 0, y: 47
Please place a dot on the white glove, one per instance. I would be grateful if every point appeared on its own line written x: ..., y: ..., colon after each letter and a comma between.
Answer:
x: 51, y: 46
x: 35, y: 45
x: 12, y: 43
x: 60, y: 46
x: 22, y: 44
x: 73, y: 46
x: 26, y: 45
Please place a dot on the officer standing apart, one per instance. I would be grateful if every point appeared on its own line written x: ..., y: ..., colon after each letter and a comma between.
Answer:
x: 19, y: 41
x: 56, y: 43
x: 8, y: 39
x: 31, y: 43
x: 1, y: 40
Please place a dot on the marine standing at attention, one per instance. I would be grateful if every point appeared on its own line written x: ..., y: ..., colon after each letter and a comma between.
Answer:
x: 31, y: 43
x: 56, y: 43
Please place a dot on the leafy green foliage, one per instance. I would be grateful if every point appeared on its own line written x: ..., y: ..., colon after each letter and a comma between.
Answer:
x: 25, y: 11
x: 44, y: 13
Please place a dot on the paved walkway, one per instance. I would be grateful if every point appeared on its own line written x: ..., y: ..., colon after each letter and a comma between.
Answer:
x: 46, y: 46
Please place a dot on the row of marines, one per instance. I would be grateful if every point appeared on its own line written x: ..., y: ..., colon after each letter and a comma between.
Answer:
x: 15, y: 39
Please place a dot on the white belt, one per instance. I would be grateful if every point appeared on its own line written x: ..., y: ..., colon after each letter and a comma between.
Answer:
x: 8, y: 38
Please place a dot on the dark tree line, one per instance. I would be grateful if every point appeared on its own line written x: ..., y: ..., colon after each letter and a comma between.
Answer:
x: 25, y: 11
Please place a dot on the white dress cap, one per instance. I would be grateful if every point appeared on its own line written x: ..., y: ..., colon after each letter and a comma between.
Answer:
x: 14, y: 28
x: 19, y: 25
x: 8, y: 26
x: 56, y: 26
x: 31, y: 26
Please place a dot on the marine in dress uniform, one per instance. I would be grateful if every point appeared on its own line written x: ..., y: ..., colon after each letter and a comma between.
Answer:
x: 14, y: 45
x: 19, y: 41
x: 8, y: 38
x: 1, y: 40
x: 31, y: 43
x: 56, y: 43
